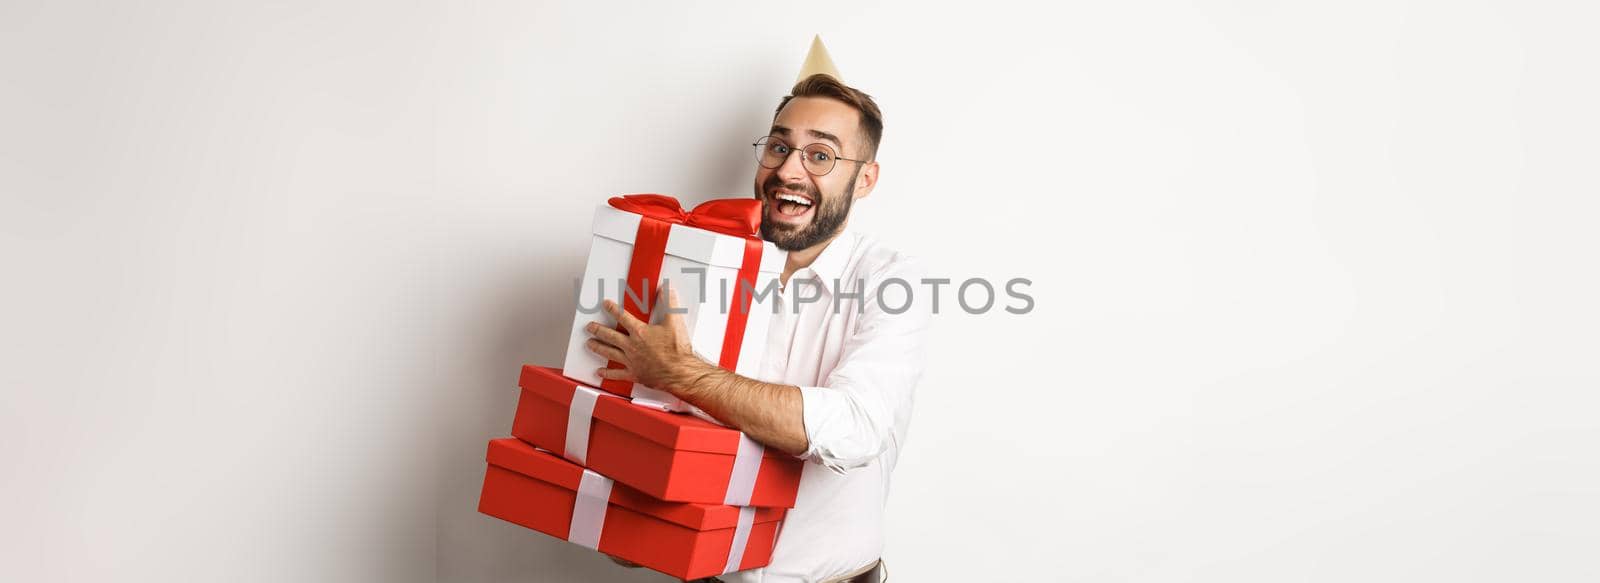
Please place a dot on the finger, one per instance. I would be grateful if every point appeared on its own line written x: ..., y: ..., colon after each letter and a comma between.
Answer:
x: 674, y: 316
x: 607, y: 335
x: 626, y: 320
x: 607, y: 351
x: 615, y: 374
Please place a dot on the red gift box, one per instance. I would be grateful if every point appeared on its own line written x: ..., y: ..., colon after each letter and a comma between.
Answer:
x: 536, y: 489
x: 670, y: 456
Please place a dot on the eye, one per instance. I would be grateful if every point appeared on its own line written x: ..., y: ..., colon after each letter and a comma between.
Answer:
x: 821, y: 156
x: 779, y: 149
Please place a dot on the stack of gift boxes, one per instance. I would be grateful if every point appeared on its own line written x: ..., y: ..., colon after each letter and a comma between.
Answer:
x: 627, y: 469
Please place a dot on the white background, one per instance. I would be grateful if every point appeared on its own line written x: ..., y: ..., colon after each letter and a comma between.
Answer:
x: 1315, y: 285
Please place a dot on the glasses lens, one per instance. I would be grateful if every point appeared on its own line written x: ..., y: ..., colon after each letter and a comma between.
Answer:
x: 771, y: 152
x: 819, y: 159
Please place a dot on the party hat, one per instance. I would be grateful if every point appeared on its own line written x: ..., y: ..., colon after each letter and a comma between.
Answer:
x: 818, y: 61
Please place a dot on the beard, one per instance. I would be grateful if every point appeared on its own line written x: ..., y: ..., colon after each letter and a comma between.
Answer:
x: 826, y: 219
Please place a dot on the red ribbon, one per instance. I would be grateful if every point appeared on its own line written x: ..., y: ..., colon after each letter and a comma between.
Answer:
x: 728, y: 216
x: 740, y: 217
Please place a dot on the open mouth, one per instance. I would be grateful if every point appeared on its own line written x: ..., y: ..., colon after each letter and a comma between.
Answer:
x: 794, y: 207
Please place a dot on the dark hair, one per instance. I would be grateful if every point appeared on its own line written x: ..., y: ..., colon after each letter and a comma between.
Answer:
x: 824, y: 85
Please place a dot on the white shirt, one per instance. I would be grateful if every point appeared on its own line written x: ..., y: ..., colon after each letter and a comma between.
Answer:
x: 857, y: 364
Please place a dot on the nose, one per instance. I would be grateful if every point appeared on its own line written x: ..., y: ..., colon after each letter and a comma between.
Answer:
x: 793, y: 168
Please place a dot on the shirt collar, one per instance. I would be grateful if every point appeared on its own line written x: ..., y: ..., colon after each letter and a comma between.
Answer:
x: 830, y: 263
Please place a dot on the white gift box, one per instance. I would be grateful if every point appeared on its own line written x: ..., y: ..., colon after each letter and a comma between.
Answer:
x: 702, y: 267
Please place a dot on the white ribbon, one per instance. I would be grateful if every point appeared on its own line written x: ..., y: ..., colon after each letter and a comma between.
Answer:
x: 664, y: 401
x: 589, y: 510
x: 741, y: 535
x: 657, y: 399
x: 578, y: 420
x: 746, y: 464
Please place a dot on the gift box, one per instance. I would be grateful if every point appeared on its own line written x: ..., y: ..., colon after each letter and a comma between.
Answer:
x: 669, y: 456
x: 712, y: 256
x: 536, y: 489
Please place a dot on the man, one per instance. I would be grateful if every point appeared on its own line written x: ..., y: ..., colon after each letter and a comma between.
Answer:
x: 844, y: 361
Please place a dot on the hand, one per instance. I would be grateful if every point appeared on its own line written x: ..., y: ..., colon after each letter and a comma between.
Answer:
x: 656, y: 355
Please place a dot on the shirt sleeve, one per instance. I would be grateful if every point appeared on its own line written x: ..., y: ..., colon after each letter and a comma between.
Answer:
x: 865, y: 405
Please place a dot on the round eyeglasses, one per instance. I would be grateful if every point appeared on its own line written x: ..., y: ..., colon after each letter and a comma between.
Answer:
x: 818, y: 158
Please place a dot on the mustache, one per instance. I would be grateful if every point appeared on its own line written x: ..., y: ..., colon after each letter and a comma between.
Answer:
x: 774, y: 183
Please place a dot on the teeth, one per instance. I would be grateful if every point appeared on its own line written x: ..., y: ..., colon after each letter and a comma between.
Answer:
x: 794, y: 199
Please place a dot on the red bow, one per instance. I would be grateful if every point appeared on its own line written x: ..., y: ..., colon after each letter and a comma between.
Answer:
x: 740, y: 217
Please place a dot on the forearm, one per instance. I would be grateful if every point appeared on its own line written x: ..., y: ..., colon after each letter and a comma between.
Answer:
x: 769, y: 413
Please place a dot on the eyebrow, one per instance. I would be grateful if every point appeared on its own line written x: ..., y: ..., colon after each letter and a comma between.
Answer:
x: 821, y: 135
x: 826, y: 136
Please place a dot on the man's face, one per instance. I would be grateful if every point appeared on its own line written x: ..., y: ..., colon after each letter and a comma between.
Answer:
x: 793, y: 226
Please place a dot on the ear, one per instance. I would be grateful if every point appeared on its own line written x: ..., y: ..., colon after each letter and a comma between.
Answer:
x: 867, y: 180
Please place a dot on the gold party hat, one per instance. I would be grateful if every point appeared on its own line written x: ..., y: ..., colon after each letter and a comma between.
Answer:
x: 818, y: 61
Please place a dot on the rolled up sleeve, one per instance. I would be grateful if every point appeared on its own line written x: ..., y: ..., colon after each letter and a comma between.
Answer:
x: 864, y: 407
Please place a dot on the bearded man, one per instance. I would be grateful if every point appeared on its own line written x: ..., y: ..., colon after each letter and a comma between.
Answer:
x: 845, y: 350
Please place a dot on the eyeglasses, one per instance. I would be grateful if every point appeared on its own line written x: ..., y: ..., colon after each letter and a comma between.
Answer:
x: 818, y: 159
